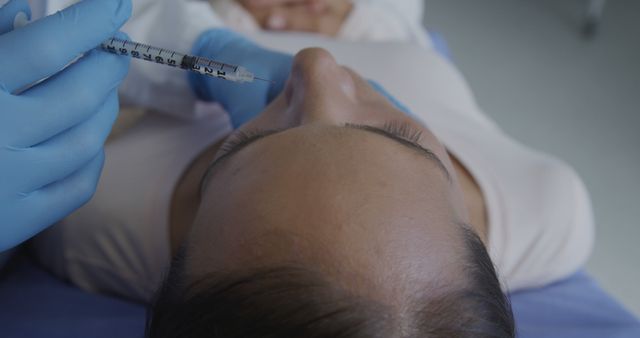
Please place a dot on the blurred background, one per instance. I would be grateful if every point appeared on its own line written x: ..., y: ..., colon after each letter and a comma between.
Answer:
x: 536, y: 74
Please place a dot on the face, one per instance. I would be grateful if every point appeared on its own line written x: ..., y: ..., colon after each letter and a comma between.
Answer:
x: 323, y: 16
x: 331, y: 176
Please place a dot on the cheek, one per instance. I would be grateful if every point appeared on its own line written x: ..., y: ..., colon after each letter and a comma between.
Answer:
x: 259, y: 14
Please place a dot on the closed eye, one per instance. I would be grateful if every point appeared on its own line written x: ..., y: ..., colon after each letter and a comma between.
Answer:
x: 400, y: 132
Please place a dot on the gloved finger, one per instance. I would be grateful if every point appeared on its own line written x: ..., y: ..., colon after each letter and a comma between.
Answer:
x: 249, y: 99
x: 13, y: 14
x: 231, y: 47
x: 68, y: 98
x: 46, y: 46
x: 64, y: 154
x: 50, y: 204
x: 382, y: 91
x: 242, y: 102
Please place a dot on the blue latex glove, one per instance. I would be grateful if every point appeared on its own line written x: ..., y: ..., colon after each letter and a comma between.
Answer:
x: 242, y: 101
x: 52, y: 134
x: 246, y: 101
x: 378, y: 87
x: 12, y: 14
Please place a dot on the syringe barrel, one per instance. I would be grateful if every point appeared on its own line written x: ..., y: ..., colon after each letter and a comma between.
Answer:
x: 174, y: 59
x: 221, y: 70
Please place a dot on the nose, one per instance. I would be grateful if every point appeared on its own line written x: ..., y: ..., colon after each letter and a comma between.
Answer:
x: 319, y: 90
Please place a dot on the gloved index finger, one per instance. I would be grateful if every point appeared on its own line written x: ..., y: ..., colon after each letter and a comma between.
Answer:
x: 43, y: 48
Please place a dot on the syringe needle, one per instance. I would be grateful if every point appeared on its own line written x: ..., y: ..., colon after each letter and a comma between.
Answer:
x: 265, y: 80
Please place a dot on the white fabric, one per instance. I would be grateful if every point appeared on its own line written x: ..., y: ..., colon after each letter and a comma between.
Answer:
x: 118, y: 243
x: 386, y: 20
x: 37, y: 8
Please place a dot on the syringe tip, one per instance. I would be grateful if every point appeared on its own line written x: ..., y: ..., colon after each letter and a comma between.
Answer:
x: 265, y: 80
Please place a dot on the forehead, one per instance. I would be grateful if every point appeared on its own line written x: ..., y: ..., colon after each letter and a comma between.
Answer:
x: 346, y: 202
x: 321, y: 156
x: 314, y: 141
x: 317, y: 181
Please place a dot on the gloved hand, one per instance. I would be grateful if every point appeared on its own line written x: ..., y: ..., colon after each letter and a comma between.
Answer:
x: 246, y: 101
x: 380, y: 89
x: 52, y: 134
x: 242, y: 101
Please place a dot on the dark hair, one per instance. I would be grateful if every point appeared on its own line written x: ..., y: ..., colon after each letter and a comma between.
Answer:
x: 292, y: 301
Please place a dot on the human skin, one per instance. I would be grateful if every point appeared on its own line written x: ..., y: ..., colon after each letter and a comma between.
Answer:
x: 368, y: 212
x: 317, y: 16
x: 313, y: 5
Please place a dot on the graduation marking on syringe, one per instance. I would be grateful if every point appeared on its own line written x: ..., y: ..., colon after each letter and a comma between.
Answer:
x: 184, y: 61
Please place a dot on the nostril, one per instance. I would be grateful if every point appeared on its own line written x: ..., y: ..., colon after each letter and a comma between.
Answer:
x: 288, y: 91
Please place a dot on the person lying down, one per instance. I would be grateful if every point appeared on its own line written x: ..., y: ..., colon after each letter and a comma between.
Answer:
x: 357, y: 20
x: 334, y: 212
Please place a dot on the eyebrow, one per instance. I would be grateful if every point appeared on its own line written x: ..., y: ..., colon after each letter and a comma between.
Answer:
x: 415, y: 146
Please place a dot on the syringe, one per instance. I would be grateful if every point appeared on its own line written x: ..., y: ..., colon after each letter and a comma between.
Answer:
x: 178, y: 60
